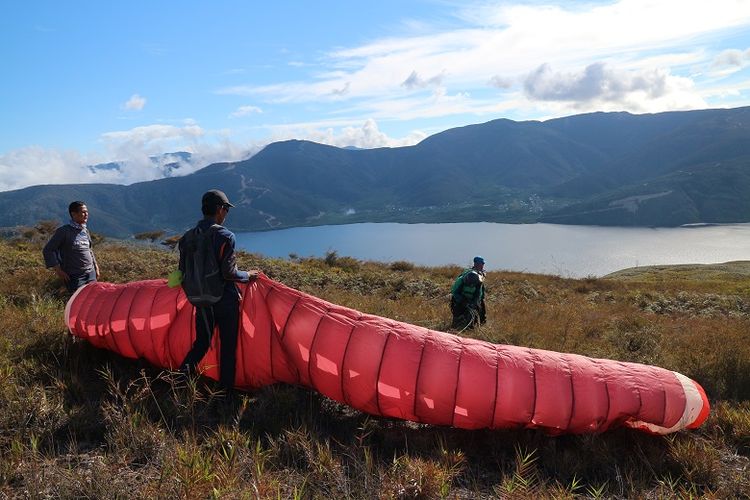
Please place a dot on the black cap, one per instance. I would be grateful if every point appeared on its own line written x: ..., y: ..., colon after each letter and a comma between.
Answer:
x: 215, y: 197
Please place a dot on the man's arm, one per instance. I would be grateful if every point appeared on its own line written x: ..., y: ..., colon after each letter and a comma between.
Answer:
x: 51, y: 253
x: 93, y: 257
x: 228, y: 258
x: 62, y: 274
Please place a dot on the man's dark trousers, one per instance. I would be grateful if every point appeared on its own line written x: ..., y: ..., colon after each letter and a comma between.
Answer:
x: 225, y: 314
x: 76, y: 281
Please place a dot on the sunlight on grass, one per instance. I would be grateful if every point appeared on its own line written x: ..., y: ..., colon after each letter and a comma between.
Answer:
x: 79, y: 422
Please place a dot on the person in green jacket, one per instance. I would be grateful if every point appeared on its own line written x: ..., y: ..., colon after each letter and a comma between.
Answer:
x: 467, y: 297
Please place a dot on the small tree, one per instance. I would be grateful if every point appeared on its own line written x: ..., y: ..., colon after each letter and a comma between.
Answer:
x: 46, y: 227
x: 172, y: 241
x: 152, y: 236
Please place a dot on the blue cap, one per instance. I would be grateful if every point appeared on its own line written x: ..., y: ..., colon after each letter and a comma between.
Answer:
x: 478, y: 259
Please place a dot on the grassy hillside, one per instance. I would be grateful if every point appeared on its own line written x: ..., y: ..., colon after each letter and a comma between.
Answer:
x: 79, y: 422
x: 728, y: 274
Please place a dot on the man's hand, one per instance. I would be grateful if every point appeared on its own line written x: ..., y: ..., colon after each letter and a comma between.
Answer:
x: 62, y: 274
x: 97, y: 271
x: 252, y: 275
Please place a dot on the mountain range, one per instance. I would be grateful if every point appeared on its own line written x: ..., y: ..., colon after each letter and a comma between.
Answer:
x: 664, y: 169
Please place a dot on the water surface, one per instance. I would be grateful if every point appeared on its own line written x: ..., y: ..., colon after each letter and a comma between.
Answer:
x: 570, y: 251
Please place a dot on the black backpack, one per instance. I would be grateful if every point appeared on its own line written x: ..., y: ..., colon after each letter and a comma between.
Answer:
x: 202, y: 280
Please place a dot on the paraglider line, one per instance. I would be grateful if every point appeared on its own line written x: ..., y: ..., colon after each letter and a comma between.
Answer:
x: 572, y: 395
x: 289, y: 317
x: 273, y: 325
x: 281, y: 337
x: 458, y: 374
x: 497, y: 386
x: 127, y: 326
x: 343, y: 360
x: 114, y: 337
x: 533, y: 374
x: 148, y: 320
x: 419, y: 371
x: 380, y: 366
x: 312, y: 348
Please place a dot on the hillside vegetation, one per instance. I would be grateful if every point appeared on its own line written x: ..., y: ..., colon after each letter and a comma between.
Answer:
x: 711, y: 275
x: 77, y: 422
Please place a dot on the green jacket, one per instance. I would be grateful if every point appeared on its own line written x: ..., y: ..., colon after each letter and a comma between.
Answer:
x: 469, y: 287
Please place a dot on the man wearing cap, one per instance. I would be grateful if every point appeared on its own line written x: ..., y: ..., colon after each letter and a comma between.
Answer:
x: 69, y: 252
x: 225, y: 313
x: 467, y: 297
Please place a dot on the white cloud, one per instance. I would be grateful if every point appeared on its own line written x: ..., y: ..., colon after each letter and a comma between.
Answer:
x: 415, y: 81
x: 245, y: 110
x: 135, y: 150
x: 136, y: 146
x: 132, y: 149
x: 596, y: 81
x: 508, y: 39
x: 366, y: 135
x: 603, y: 87
x: 730, y: 57
x: 342, y: 91
x: 436, y: 103
x: 500, y: 82
x: 152, y: 134
x: 135, y: 103
x: 27, y: 166
x: 728, y: 62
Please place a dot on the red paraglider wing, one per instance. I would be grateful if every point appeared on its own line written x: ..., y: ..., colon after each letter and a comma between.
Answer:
x: 389, y: 368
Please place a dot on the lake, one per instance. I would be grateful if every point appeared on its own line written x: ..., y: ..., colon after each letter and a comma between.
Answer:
x: 569, y: 251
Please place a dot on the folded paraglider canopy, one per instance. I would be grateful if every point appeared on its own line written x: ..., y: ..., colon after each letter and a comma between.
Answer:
x: 389, y: 368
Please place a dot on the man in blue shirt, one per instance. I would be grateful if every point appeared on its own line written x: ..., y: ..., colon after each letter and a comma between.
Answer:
x: 226, y: 312
x: 69, y: 252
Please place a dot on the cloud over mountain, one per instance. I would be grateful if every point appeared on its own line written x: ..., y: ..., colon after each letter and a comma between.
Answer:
x: 135, y: 151
x: 601, y: 84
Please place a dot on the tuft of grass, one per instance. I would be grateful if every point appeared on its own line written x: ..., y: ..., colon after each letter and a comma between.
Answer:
x: 731, y: 422
x: 524, y: 479
x: 416, y: 477
x: 401, y: 265
x: 151, y: 236
x: 333, y: 259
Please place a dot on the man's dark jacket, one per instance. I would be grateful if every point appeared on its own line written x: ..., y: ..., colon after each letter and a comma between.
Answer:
x: 71, y: 248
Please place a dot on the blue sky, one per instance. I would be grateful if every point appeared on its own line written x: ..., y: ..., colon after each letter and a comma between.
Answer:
x: 87, y: 82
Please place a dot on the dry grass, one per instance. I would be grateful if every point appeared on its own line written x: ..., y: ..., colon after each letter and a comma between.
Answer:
x: 79, y: 422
